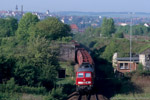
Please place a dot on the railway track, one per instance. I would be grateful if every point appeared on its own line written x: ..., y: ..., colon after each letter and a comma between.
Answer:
x: 73, y: 96
x: 77, y: 96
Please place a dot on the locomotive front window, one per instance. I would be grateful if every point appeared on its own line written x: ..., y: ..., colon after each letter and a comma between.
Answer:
x: 80, y: 74
x: 87, y: 75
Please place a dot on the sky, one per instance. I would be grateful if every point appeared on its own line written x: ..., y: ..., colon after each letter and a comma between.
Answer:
x: 78, y: 5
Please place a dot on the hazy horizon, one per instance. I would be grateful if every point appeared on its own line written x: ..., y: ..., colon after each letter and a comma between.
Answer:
x: 78, y: 5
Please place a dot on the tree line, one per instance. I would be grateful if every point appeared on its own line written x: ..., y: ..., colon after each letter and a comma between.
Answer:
x: 28, y: 54
x: 109, y: 29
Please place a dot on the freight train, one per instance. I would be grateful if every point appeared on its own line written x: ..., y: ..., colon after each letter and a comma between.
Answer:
x: 85, y: 73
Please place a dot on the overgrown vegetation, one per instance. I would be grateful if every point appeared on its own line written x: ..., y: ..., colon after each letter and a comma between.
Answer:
x: 29, y: 58
x: 103, y: 47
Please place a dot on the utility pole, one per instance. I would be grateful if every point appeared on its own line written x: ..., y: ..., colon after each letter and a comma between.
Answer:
x: 21, y: 10
x: 131, y: 23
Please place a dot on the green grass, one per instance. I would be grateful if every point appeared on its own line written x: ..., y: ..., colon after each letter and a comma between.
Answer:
x: 140, y: 96
x: 9, y: 96
x: 67, y: 80
x: 20, y: 96
x: 68, y: 83
x: 31, y: 97
x: 69, y: 68
x: 143, y: 83
x: 70, y: 75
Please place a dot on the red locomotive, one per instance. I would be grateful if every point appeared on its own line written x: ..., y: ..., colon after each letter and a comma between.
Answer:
x: 85, y: 73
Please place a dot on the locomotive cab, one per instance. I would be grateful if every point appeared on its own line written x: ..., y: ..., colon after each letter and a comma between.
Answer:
x: 84, y: 81
x: 84, y: 77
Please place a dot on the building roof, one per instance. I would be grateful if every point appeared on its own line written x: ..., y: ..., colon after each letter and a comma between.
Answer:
x: 86, y: 69
x: 128, y: 59
x: 74, y: 26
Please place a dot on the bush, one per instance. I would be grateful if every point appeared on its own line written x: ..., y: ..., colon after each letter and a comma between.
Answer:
x: 140, y: 67
x: 9, y: 96
x: 65, y: 39
x: 119, y: 35
x: 26, y: 75
x: 56, y: 94
x: 145, y: 73
x: 7, y: 66
x: 11, y: 87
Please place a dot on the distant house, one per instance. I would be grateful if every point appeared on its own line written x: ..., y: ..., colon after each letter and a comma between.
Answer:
x: 74, y: 28
x: 124, y: 64
x: 146, y: 52
x: 122, y: 24
x: 127, y: 64
x: 146, y: 25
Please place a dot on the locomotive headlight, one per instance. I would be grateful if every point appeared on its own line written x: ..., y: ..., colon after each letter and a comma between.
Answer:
x: 80, y: 82
x: 88, y: 82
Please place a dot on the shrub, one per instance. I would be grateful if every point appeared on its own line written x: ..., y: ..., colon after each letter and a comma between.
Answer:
x: 140, y: 67
x: 11, y: 87
x: 119, y: 35
x: 56, y: 94
x: 145, y: 73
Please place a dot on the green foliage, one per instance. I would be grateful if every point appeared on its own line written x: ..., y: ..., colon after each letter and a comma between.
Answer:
x: 140, y: 30
x: 97, y: 32
x: 30, y: 58
x: 30, y: 90
x: 56, y: 94
x: 92, y: 32
x: 122, y: 47
x: 37, y: 64
x: 26, y: 75
x: 8, y: 47
x: 41, y: 52
x: 51, y: 28
x: 25, y: 23
x: 124, y: 29
x: 7, y: 66
x: 89, y: 35
x: 65, y: 39
x: 145, y: 73
x: 109, y: 51
x: 140, y: 67
x: 108, y: 27
x: 119, y: 35
x: 9, y: 96
x: 136, y: 30
x: 9, y: 88
x: 10, y: 85
x: 141, y: 72
x: 8, y: 27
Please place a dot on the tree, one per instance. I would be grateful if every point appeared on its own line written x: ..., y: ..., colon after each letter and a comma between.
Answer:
x: 37, y: 64
x: 51, y: 28
x: 8, y: 27
x: 136, y: 29
x: 43, y: 55
x: 119, y: 35
x: 124, y: 29
x: 140, y: 30
x: 56, y: 94
x: 109, y: 51
x: 26, y: 75
x: 7, y: 66
x: 108, y: 27
x: 140, y: 67
x: 25, y: 23
x: 97, y: 32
